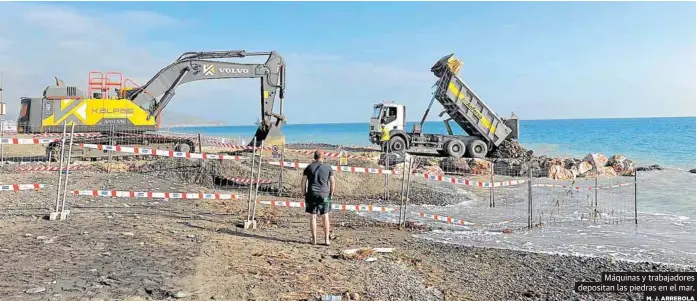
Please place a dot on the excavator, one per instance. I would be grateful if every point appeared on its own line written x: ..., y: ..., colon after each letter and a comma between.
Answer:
x: 131, y: 111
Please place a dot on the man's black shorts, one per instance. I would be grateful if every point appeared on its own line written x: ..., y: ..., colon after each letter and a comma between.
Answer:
x: 315, y: 204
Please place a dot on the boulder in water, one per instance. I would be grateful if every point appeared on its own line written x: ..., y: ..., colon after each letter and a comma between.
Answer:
x: 650, y: 168
x: 693, y: 170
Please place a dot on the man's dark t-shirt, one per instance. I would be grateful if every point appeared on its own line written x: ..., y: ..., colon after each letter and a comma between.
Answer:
x: 318, y: 178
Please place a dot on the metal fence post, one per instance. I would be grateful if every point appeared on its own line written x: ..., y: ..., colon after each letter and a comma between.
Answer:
x: 492, y: 203
x: 406, y: 198
x: 280, y: 176
x: 55, y: 213
x: 248, y: 223
x: 64, y: 213
x: 401, y: 192
x: 530, y: 197
x: 256, y: 193
x: 636, y: 220
x: 387, y: 177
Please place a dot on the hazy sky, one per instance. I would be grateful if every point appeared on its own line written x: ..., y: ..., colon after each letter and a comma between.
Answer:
x: 542, y: 60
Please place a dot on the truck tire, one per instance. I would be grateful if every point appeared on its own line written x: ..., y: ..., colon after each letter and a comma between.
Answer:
x: 477, y: 149
x: 397, y: 144
x: 455, y: 148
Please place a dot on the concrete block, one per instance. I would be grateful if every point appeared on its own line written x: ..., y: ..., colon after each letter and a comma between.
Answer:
x: 53, y: 216
x: 64, y: 214
x: 250, y: 225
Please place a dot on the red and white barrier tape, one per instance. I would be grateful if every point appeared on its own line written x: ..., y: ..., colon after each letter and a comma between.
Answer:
x: 452, y: 180
x: 381, y: 209
x: 430, y: 177
x: 582, y: 187
x: 351, y: 169
x: 299, y: 151
x: 15, y: 140
x: 18, y: 187
x: 52, y: 168
x: 159, y: 152
x: 339, y: 207
x: 248, y: 181
x: 158, y: 195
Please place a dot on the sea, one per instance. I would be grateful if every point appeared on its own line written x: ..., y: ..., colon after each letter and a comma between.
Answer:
x: 665, y: 228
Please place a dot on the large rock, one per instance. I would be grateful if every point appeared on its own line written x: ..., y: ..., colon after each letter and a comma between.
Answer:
x: 584, y: 167
x: 622, y: 165
x: 596, y: 160
x: 556, y: 170
x: 693, y: 170
x: 607, y: 171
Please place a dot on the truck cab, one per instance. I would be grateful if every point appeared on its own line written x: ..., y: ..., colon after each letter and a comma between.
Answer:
x: 392, y: 115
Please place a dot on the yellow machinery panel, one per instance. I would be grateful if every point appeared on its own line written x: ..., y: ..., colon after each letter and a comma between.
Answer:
x: 93, y: 111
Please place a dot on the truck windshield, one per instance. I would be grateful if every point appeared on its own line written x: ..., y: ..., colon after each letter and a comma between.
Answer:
x: 376, y: 113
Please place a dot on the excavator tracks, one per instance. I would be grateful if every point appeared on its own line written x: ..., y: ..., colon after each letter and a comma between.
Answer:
x: 152, y: 141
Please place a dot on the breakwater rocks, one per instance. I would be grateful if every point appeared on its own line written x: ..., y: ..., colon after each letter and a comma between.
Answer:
x: 512, y: 159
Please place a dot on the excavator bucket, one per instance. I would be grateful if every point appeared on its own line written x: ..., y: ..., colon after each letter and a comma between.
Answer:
x: 273, y: 139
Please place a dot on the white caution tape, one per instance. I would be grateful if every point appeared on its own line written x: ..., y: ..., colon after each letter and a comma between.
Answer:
x: 18, y: 187
x: 337, y: 207
x: 299, y: 151
x: 466, y: 182
x: 351, y: 169
x: 52, y: 168
x: 430, y: 177
x: 157, y: 195
x: 14, y: 140
x: 159, y: 152
x: 248, y: 181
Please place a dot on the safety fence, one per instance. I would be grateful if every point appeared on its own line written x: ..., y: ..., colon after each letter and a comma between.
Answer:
x: 500, y: 194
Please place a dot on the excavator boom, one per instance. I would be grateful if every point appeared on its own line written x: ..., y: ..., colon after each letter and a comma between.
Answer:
x: 193, y: 66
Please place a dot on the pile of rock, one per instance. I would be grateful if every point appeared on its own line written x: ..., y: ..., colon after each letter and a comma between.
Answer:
x: 591, y: 165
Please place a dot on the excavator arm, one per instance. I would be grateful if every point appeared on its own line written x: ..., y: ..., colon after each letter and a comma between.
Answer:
x: 193, y: 66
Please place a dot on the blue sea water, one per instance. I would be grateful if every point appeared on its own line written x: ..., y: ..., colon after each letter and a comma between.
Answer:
x: 666, y: 199
x: 665, y: 141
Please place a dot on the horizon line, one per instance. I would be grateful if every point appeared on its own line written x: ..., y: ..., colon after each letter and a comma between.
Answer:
x: 546, y: 119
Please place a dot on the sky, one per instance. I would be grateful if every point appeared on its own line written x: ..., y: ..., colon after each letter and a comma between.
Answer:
x: 541, y: 60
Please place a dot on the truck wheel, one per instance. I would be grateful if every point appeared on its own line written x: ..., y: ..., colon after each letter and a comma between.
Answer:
x: 477, y: 149
x: 397, y: 144
x: 455, y: 148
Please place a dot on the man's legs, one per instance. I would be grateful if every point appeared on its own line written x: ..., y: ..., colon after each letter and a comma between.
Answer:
x: 325, y: 224
x: 313, y: 228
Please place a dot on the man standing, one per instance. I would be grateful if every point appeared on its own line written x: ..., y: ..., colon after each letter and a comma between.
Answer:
x: 318, y: 188
x: 385, y: 139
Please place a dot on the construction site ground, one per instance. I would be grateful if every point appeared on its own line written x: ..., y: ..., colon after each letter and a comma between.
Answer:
x: 129, y: 249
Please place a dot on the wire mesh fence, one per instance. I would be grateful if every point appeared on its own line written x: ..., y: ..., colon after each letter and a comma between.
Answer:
x: 496, y: 194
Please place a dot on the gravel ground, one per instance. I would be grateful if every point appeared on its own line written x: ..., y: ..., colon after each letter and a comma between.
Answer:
x: 129, y: 249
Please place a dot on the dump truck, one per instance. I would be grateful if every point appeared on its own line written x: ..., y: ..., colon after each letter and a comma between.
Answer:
x: 484, y: 128
x: 115, y: 106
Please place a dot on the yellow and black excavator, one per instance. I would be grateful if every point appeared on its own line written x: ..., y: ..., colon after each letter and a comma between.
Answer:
x: 137, y: 109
